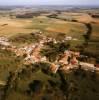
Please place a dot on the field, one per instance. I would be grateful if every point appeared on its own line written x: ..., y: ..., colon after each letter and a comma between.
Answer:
x: 53, y: 24
x: 8, y: 63
x: 68, y: 23
x: 36, y: 81
x: 95, y: 33
x: 9, y: 27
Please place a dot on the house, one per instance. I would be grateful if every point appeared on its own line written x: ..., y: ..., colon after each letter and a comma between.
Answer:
x: 54, y: 68
x: 87, y: 66
x: 4, y: 41
x: 68, y: 38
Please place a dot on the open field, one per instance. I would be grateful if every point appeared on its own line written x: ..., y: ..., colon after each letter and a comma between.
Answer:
x: 49, y: 26
x: 32, y: 48
x: 10, y: 27
x: 52, y: 27
x: 81, y: 17
x: 55, y: 26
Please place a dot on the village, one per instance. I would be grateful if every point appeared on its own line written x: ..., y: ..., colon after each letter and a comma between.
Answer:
x: 31, y: 53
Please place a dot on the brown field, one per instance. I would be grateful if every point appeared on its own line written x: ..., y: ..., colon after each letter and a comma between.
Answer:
x: 81, y: 17
x: 9, y: 27
x: 96, y: 20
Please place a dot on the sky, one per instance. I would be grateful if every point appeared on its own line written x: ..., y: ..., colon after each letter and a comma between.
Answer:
x: 49, y: 2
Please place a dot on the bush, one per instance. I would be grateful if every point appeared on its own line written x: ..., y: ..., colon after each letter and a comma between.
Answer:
x: 35, y: 86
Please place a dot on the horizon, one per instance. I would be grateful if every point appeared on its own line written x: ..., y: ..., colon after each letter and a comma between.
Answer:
x: 49, y: 2
x: 51, y: 5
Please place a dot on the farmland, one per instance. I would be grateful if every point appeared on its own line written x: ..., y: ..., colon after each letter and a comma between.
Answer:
x: 49, y: 54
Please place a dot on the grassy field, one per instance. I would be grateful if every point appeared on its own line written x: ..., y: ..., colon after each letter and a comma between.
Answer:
x: 51, y: 27
x: 57, y: 26
x: 93, y: 45
x: 10, y: 27
x: 95, y: 33
x: 8, y: 63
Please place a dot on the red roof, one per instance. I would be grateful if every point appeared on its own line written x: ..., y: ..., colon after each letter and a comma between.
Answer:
x: 97, y: 65
x: 73, y: 62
